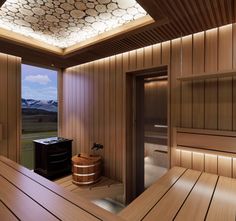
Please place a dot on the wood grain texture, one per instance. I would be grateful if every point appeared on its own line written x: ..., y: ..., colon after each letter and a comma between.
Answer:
x: 186, y: 159
x: 198, y: 161
x: 203, y: 104
x: 197, y: 146
x: 198, y: 86
x: 234, y: 78
x: 224, y: 200
x: 225, y: 166
x: 207, y: 141
x: 37, y: 212
x: 196, y: 205
x: 43, y: 197
x: 211, y: 163
x: 151, y: 196
x: 225, y: 84
x: 6, y: 214
x: 168, y: 206
x: 156, y: 54
x: 193, y: 196
x: 175, y: 85
x: 10, y: 103
x: 211, y: 58
x: 173, y: 20
x: 234, y: 167
x: 187, y: 90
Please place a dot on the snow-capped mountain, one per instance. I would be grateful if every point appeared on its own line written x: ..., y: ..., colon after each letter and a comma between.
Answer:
x: 50, y: 105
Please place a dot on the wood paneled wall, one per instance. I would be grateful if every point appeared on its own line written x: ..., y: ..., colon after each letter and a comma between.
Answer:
x: 94, y: 93
x: 10, y: 105
x: 210, y: 103
x: 94, y: 103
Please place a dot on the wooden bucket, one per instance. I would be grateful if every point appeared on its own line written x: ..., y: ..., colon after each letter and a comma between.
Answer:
x: 86, y: 169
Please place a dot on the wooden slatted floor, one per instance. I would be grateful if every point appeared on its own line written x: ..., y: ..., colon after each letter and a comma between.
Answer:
x: 105, y: 188
x: 183, y: 195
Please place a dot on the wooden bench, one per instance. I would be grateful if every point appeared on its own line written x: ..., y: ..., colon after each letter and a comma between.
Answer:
x: 183, y: 195
x: 25, y: 195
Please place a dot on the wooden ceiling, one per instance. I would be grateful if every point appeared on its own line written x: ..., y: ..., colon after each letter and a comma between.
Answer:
x: 173, y: 18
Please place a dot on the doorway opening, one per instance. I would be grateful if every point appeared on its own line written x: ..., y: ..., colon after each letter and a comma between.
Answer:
x: 155, y: 129
x: 39, y: 109
x: 147, y: 143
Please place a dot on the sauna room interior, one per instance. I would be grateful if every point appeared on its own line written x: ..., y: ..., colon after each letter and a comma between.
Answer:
x: 118, y: 110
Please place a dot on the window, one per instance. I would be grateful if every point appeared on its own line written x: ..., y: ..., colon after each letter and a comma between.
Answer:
x: 39, y: 109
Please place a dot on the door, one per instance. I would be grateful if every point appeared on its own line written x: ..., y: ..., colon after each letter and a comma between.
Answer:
x: 147, y: 151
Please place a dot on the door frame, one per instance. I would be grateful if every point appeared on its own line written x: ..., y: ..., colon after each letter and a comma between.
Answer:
x: 131, y: 188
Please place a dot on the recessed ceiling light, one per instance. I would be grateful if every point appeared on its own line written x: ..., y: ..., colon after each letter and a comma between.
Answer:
x: 63, y: 23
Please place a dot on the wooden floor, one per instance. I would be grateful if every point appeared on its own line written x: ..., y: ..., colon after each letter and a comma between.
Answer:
x: 183, y: 195
x: 105, y: 188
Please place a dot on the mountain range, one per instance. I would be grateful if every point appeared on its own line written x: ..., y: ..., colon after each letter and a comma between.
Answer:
x: 50, y: 105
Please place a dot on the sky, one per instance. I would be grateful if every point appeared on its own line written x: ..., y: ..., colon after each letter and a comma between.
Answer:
x: 38, y: 83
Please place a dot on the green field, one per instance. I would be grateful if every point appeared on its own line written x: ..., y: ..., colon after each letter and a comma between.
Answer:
x: 36, y: 124
x: 27, y: 147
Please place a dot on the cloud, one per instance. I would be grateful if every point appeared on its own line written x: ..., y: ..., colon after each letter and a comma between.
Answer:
x: 46, y: 93
x: 40, y: 79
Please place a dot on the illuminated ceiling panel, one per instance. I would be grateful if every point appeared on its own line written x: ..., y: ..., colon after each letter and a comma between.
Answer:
x: 63, y: 23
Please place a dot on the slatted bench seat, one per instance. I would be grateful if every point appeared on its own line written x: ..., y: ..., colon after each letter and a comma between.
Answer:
x: 25, y: 195
x: 181, y: 194
x: 184, y: 194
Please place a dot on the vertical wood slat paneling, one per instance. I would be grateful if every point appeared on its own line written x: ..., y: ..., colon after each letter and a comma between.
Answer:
x: 198, y: 161
x: 112, y: 109
x: 234, y: 167
x: 226, y: 98
x: 75, y: 112
x: 186, y: 88
x: 166, y: 53
x: 91, y: 109
x: 119, y: 113
x: 198, y: 86
x: 86, y: 107
x: 175, y: 84
x: 174, y: 93
x: 96, y: 102
x: 12, y: 108
x: 211, y: 50
x: 10, y: 104
x: 186, y: 159
x: 210, y: 163
x: 140, y: 58
x: 225, y: 60
x: 82, y: 114
x: 124, y: 159
x: 148, y: 56
x: 201, y: 104
x: 107, y: 118
x: 156, y: 55
x: 234, y: 78
x: 19, y: 114
x: 3, y: 103
x: 101, y: 105
x: 225, y: 166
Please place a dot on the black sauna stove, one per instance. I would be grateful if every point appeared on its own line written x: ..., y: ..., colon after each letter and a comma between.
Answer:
x: 52, y: 157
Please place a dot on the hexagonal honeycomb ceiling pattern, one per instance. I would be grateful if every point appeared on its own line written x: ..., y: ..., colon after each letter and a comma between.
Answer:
x: 63, y: 23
